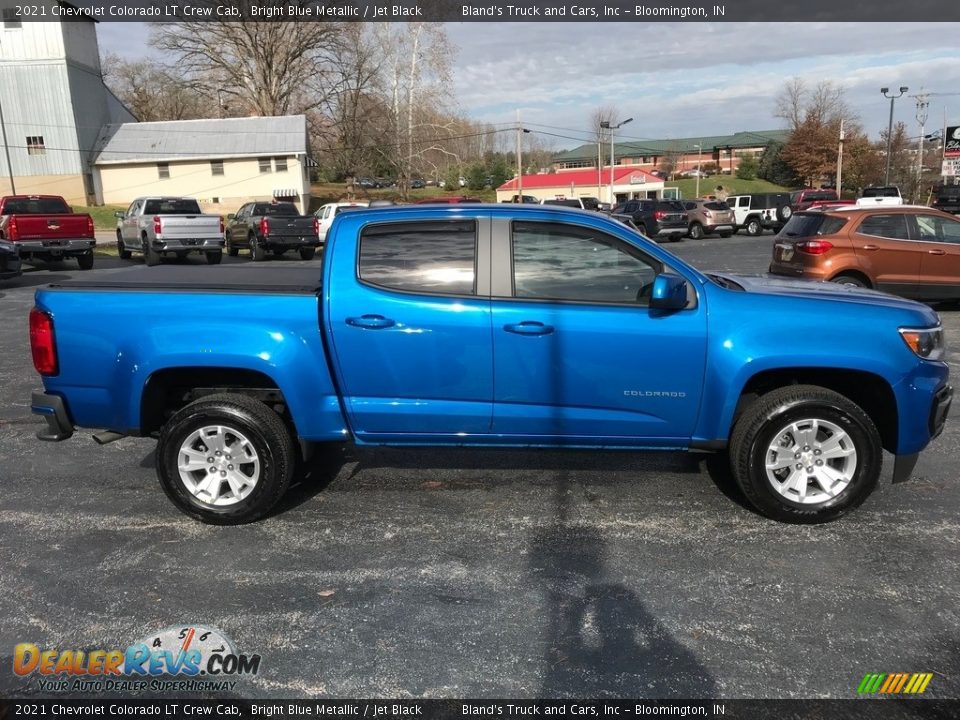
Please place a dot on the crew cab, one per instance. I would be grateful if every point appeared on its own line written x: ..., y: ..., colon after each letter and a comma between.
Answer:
x: 491, y: 325
x: 44, y: 227
x: 164, y: 226
x: 802, y: 199
x: 273, y: 226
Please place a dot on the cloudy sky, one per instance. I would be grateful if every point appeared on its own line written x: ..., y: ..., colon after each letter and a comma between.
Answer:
x: 679, y: 79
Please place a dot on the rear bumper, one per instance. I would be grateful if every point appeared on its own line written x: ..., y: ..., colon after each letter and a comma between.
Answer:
x: 662, y: 231
x: 180, y: 244
x: 290, y: 243
x: 69, y: 246
x: 54, y: 411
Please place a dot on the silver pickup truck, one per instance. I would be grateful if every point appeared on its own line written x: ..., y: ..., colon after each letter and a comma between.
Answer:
x: 157, y: 226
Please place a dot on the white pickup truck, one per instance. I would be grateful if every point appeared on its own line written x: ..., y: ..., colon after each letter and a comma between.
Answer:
x: 873, y: 196
x: 157, y: 226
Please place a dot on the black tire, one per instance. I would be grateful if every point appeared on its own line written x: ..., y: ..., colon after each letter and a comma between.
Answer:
x: 643, y: 229
x: 853, y: 280
x: 121, y: 248
x: 257, y: 252
x: 696, y: 231
x: 150, y: 256
x: 85, y: 261
x: 267, y: 436
x: 232, y: 250
x: 214, y: 258
x: 307, y: 253
x: 753, y: 227
x: 757, y: 429
x: 784, y: 213
x: 726, y: 233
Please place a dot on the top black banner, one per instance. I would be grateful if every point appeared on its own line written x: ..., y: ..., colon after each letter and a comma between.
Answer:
x: 642, y: 11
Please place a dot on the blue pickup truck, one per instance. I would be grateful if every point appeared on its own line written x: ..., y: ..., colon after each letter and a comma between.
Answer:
x: 492, y: 325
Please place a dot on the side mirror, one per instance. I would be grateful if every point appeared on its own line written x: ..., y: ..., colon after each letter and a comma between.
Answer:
x: 119, y: 214
x: 669, y: 292
x: 231, y: 216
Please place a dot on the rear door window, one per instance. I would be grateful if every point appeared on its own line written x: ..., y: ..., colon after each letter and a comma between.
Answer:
x: 893, y: 226
x: 436, y: 258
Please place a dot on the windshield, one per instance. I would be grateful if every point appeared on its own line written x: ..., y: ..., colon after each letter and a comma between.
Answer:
x: 171, y: 206
x: 36, y: 206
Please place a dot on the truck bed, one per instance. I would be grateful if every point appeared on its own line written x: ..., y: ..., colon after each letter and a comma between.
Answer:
x: 245, y: 279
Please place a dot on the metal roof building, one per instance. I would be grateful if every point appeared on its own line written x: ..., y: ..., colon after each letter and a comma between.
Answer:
x: 223, y: 163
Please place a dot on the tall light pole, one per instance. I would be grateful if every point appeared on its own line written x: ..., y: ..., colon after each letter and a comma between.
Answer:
x: 6, y: 150
x: 699, y: 147
x: 923, y: 104
x: 903, y: 89
x: 520, y: 131
x: 606, y: 124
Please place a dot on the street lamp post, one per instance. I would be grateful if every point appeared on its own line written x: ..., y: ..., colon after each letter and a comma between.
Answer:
x: 606, y: 125
x: 699, y: 148
x: 884, y: 91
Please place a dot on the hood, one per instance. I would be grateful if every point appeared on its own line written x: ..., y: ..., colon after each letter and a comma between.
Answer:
x: 815, y: 290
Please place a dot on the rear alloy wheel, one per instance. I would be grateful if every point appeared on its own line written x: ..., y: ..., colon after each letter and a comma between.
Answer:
x: 85, y: 261
x: 307, y: 253
x: 225, y: 459
x: 121, y: 248
x: 851, y: 280
x: 257, y: 252
x: 696, y: 231
x: 150, y: 256
x: 805, y: 454
x: 753, y: 227
x: 214, y: 258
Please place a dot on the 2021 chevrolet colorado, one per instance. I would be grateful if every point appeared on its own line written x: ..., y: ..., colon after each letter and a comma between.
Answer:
x: 492, y: 325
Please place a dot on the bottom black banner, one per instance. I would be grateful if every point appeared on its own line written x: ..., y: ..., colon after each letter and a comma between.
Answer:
x: 390, y: 709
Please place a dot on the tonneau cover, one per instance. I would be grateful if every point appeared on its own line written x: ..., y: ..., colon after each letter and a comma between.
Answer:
x: 246, y: 278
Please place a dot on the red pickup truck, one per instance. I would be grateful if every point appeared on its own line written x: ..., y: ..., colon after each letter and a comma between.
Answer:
x: 44, y: 227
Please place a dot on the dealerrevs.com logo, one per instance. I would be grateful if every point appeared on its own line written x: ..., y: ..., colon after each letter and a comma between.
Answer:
x: 178, y: 659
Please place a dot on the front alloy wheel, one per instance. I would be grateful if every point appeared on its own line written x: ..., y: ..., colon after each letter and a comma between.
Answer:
x: 805, y: 454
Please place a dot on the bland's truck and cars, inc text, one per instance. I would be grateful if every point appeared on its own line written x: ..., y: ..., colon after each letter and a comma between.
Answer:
x: 492, y: 325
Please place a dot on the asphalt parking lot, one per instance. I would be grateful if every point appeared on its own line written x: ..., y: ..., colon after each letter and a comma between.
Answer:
x: 480, y: 573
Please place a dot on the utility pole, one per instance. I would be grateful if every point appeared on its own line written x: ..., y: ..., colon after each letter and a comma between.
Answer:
x: 923, y: 105
x: 699, y: 155
x: 519, y: 160
x: 611, y: 127
x: 884, y: 91
x: 840, y: 160
x: 6, y: 150
x: 600, y: 161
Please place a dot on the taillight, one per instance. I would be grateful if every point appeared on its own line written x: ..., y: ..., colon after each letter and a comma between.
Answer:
x: 13, y: 232
x: 42, y: 345
x: 264, y: 227
x: 316, y: 226
x: 659, y: 215
x: 222, y: 227
x: 89, y: 226
x: 814, y: 247
x: 156, y: 225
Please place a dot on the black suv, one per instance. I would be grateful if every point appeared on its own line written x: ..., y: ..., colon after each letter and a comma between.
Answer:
x: 947, y: 198
x: 657, y: 219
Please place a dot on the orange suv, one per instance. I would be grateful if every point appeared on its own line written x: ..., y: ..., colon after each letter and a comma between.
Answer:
x: 913, y: 251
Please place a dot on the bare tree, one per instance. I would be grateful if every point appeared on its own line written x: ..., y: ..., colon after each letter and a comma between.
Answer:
x: 265, y: 68
x: 152, y: 91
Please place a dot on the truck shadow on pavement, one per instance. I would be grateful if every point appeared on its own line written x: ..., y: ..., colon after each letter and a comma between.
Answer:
x: 600, y: 640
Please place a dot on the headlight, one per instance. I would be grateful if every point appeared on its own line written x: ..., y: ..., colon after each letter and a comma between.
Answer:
x: 925, y: 342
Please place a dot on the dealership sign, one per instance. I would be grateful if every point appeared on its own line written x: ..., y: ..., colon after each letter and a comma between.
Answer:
x: 952, y: 146
x: 951, y: 167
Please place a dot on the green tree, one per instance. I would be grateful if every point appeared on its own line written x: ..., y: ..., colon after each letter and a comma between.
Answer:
x: 748, y: 167
x: 476, y: 176
x: 773, y: 168
x: 452, y: 179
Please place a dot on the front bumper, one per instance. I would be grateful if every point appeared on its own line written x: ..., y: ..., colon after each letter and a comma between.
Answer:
x: 75, y: 246
x: 54, y: 411
x: 939, y: 409
x: 182, y: 244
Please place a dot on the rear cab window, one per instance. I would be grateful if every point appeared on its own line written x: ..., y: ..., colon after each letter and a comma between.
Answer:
x: 171, y: 206
x: 36, y: 206
x: 434, y: 258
